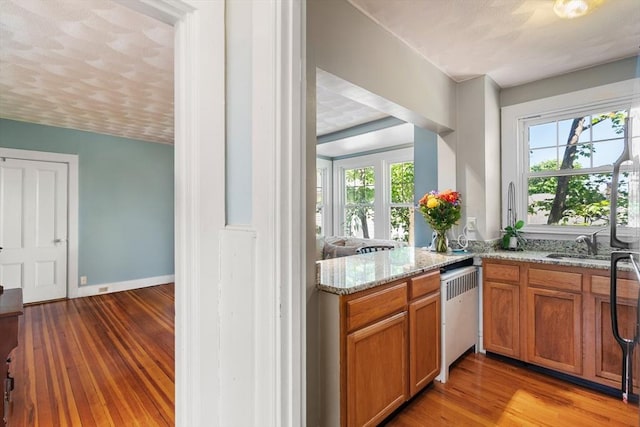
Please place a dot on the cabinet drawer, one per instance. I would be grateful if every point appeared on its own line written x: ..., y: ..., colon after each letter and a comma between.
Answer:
x: 425, y: 284
x: 501, y: 272
x: 555, y: 279
x: 626, y: 288
x: 367, y: 309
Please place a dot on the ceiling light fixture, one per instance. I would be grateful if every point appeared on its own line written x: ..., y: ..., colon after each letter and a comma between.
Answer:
x: 569, y: 9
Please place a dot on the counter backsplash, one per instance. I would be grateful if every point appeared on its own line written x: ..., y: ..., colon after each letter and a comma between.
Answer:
x: 545, y: 245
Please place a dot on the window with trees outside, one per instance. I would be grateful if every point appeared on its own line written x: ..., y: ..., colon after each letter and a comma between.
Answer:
x: 376, y: 195
x: 570, y: 162
x: 559, y: 151
x: 401, y: 206
x: 359, y: 209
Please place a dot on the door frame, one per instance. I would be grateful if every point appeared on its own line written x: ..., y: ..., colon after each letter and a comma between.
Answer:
x: 72, y: 205
x: 200, y: 139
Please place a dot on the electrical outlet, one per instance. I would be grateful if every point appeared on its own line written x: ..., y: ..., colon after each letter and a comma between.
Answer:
x: 103, y: 289
x: 472, y: 224
x: 83, y: 280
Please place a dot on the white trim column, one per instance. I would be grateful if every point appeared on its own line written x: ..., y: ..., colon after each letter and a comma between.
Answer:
x: 279, y: 189
x: 274, y: 274
x: 199, y: 205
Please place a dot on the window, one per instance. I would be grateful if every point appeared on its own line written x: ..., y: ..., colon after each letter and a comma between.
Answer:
x: 559, y: 152
x: 320, y: 211
x: 359, y: 190
x: 570, y: 167
x: 374, y: 195
x: 323, y: 196
x: 401, y: 206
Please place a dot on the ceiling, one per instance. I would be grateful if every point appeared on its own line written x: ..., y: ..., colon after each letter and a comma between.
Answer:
x: 512, y: 41
x: 338, y: 107
x: 98, y: 66
x: 91, y: 65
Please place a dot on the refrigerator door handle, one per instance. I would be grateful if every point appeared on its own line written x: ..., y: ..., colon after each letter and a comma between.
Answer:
x: 626, y: 344
x: 624, y: 157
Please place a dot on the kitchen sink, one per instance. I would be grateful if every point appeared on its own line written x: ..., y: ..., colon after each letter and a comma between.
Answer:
x: 579, y: 256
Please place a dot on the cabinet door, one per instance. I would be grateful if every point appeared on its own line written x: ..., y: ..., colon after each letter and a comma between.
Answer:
x: 501, y: 318
x: 608, y: 351
x: 376, y: 370
x: 424, y: 344
x: 554, y: 329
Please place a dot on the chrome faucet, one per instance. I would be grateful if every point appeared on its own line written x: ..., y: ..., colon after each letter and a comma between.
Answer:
x: 591, y: 240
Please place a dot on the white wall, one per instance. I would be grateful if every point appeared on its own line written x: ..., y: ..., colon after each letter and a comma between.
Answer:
x: 600, y: 75
x: 492, y: 158
x: 351, y: 46
x: 478, y: 155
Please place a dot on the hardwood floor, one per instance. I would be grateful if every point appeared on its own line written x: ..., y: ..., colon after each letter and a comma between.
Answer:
x: 109, y: 361
x: 106, y: 360
x: 483, y: 391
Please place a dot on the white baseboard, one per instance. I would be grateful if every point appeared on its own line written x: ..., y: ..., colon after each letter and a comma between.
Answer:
x: 107, y: 288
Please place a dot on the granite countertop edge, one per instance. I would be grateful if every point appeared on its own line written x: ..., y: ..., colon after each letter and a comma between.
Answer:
x: 539, y: 257
x: 392, y: 278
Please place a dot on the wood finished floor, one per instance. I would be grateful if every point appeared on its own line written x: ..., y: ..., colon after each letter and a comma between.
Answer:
x: 109, y: 361
x: 106, y: 360
x: 483, y: 391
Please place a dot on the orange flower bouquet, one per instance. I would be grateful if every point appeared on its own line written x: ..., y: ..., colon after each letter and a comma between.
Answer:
x: 441, y: 210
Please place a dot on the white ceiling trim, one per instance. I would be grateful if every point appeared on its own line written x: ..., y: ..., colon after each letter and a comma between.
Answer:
x: 383, y: 139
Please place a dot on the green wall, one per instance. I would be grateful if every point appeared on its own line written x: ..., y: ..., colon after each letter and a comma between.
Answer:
x: 126, y: 199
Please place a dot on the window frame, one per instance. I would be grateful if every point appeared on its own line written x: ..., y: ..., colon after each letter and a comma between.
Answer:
x: 326, y: 166
x: 409, y: 205
x: 382, y: 200
x: 514, y: 158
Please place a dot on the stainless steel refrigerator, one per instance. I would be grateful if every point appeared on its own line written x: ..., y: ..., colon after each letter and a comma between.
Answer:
x: 625, y: 240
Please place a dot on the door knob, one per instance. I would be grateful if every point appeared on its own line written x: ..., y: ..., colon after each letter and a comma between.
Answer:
x: 59, y: 240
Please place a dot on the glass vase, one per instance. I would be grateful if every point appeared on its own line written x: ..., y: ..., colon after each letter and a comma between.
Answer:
x: 441, y: 244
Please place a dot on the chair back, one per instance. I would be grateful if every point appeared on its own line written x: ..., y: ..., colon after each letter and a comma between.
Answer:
x: 375, y: 248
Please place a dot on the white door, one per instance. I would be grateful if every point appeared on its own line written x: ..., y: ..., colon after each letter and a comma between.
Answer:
x: 33, y: 228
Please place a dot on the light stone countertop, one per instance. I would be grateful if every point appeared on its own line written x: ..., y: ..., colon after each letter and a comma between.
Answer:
x: 350, y: 274
x: 541, y: 257
x: 347, y: 275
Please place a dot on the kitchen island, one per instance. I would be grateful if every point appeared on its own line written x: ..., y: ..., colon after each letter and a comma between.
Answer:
x: 380, y: 312
x: 379, y: 331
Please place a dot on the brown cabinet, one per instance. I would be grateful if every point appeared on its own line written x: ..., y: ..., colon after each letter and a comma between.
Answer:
x: 10, y: 309
x: 554, y: 329
x: 608, y: 354
x: 501, y: 309
x: 376, y: 370
x: 558, y: 317
x: 554, y: 318
x: 424, y: 354
x: 501, y: 318
x: 379, y: 348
